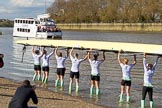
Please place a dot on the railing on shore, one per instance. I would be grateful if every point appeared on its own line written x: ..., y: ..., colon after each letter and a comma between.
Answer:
x: 134, y: 27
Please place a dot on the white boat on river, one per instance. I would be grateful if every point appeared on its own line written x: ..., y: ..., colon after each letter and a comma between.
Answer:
x: 42, y: 27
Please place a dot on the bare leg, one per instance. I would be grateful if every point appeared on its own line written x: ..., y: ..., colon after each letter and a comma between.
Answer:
x: 128, y: 93
x: 97, y: 87
x: 92, y: 87
x: 92, y: 83
x: 58, y: 77
x: 71, y: 80
x: 97, y: 84
x: 43, y: 77
x: 122, y: 92
x: 128, y: 90
x: 46, y: 77
x: 39, y: 75
x: 57, y: 80
x: 70, y: 85
x: 77, y: 85
x: 122, y: 89
x: 62, y: 80
x: 35, y: 75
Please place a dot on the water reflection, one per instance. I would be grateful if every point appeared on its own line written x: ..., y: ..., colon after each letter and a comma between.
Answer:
x: 110, y: 69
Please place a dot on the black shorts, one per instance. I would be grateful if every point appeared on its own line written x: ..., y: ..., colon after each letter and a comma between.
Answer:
x: 148, y: 90
x: 37, y: 67
x: 45, y: 68
x: 76, y: 74
x: 95, y: 78
x: 125, y: 83
x: 61, y: 71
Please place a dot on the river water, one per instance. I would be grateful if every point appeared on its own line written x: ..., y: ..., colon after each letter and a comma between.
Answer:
x: 111, y: 74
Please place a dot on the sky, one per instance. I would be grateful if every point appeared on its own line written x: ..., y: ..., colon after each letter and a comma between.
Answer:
x: 10, y: 9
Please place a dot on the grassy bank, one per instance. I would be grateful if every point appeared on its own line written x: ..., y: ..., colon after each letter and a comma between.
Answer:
x: 123, y: 27
x: 6, y: 23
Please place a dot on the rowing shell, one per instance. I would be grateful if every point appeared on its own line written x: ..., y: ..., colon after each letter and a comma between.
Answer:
x: 98, y: 45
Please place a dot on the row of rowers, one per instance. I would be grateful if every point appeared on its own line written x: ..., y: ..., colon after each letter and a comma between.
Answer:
x: 149, y: 70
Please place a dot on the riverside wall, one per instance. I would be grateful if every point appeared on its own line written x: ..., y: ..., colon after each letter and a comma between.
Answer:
x: 125, y: 27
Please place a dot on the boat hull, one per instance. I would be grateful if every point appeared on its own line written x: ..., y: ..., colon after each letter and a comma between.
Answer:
x: 42, y: 27
x: 53, y: 35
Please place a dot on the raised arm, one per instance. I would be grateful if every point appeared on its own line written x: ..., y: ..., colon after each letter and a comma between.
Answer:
x: 88, y: 55
x: 42, y: 52
x: 119, y: 58
x: 56, y: 51
x: 104, y: 56
x: 144, y: 61
x: 52, y: 52
x: 135, y: 61
x: 156, y: 61
x: 33, y: 50
x: 67, y: 52
x: 71, y: 53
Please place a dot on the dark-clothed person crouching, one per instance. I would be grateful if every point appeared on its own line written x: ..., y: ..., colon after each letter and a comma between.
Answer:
x: 23, y: 95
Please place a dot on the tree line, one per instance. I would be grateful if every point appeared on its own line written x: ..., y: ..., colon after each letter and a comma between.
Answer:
x: 6, y: 23
x: 106, y: 11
